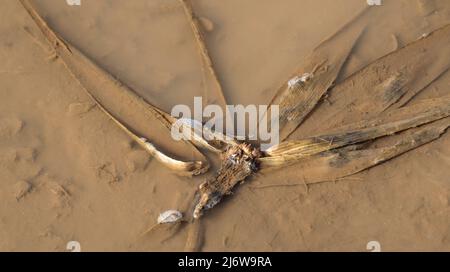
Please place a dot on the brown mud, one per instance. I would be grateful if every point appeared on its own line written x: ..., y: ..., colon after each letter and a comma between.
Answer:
x: 70, y: 174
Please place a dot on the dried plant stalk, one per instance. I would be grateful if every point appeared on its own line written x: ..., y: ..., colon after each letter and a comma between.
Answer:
x: 100, y: 85
x: 238, y: 163
x: 333, y: 153
x: 386, y: 84
x: 202, y: 49
x: 397, y: 120
x: 343, y: 162
x: 298, y: 96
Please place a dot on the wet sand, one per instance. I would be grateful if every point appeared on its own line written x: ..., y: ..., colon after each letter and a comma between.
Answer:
x: 68, y: 173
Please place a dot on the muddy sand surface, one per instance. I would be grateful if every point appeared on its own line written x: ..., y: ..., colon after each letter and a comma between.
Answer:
x: 69, y: 174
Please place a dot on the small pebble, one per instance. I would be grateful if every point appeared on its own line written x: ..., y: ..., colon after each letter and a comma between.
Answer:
x: 169, y: 216
x: 299, y: 79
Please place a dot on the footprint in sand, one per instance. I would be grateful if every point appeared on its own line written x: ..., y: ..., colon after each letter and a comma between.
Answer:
x: 137, y: 161
x: 10, y: 127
